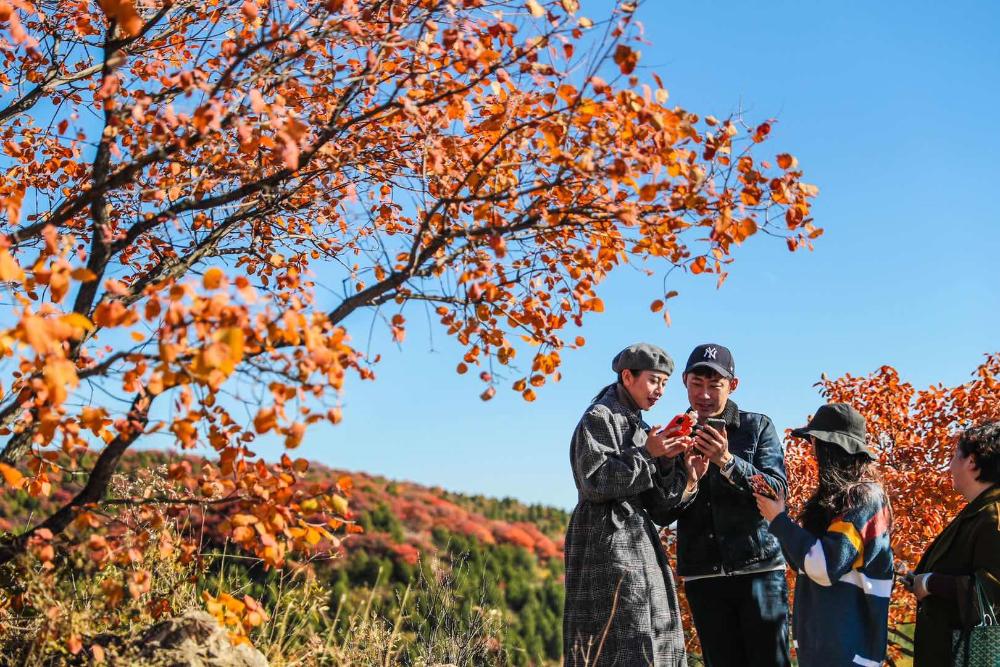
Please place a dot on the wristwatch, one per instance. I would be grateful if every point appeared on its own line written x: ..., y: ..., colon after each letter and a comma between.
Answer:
x: 728, y: 466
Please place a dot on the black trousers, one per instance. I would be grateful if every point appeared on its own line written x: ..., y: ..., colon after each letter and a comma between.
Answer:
x: 742, y: 620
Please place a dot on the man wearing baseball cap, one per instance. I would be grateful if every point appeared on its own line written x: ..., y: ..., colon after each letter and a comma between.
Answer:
x: 621, y: 600
x: 733, y: 568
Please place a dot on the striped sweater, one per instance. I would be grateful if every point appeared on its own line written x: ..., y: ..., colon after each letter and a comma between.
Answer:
x: 843, y: 585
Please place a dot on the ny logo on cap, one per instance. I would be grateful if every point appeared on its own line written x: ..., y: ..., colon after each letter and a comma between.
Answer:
x: 710, y: 352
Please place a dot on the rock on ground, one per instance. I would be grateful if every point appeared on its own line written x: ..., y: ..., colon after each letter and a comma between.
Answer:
x: 193, y: 640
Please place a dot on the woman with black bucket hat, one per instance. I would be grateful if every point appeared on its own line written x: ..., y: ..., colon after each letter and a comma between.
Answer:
x: 840, y: 547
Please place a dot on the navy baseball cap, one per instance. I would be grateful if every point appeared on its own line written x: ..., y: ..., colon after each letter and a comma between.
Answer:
x: 714, y: 356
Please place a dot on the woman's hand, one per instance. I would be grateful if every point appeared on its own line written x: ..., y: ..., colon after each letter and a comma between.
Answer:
x: 678, y: 445
x: 769, y: 509
x: 660, y: 443
x: 916, y: 584
x: 697, y: 466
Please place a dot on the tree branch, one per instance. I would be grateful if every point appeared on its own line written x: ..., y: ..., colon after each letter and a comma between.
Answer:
x: 97, y: 483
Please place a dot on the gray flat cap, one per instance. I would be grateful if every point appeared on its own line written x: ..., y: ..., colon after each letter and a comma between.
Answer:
x: 643, y: 357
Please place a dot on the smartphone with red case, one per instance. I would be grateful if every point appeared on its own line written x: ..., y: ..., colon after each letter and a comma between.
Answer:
x: 759, y: 484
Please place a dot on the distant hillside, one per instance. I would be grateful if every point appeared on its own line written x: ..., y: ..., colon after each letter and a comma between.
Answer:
x: 408, y: 514
x: 509, y: 555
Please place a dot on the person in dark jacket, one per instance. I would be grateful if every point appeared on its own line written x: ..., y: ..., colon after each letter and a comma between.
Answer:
x: 841, y: 550
x: 969, y: 545
x: 621, y: 601
x: 733, y: 568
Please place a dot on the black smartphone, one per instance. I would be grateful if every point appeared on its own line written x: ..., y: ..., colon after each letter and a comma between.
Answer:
x: 714, y: 422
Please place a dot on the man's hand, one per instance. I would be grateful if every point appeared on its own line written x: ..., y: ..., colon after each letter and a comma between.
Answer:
x: 713, y: 445
x: 697, y: 466
x: 660, y: 443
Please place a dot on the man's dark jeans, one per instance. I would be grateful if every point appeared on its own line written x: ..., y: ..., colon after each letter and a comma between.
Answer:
x: 742, y: 621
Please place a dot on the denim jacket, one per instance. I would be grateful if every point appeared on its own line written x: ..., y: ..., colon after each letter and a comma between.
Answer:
x: 720, y: 527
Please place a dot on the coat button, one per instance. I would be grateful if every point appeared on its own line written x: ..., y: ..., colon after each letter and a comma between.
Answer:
x: 715, y: 568
x: 711, y: 535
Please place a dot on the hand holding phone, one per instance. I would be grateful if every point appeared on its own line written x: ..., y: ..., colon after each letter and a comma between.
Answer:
x: 769, y: 503
x: 663, y: 443
x: 760, y: 486
x: 715, y: 446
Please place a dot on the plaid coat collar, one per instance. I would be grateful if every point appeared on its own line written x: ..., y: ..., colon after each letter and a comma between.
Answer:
x: 626, y: 401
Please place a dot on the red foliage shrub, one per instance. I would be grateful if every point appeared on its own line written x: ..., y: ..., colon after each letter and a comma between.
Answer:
x: 515, y: 535
x: 477, y: 529
x: 407, y: 553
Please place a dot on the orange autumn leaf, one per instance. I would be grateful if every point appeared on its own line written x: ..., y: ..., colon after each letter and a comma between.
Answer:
x: 77, y: 320
x: 265, y: 420
x: 34, y: 331
x: 113, y: 313
x: 12, y: 476
x: 294, y: 435
x: 214, y: 278
x: 626, y: 58
x: 123, y: 12
x: 60, y: 377
x: 750, y: 196
x: 10, y: 270
x: 249, y: 10
x: 243, y: 534
x: 786, y: 161
x: 234, y: 340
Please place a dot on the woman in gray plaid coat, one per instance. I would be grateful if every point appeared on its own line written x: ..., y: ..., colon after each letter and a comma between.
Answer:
x: 621, y: 600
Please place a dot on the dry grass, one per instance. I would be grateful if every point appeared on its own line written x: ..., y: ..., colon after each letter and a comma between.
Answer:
x: 55, y: 616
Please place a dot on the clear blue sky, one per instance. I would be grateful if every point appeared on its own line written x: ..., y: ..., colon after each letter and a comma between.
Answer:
x: 890, y: 109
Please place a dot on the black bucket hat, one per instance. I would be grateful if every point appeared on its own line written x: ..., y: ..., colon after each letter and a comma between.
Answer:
x: 838, y: 424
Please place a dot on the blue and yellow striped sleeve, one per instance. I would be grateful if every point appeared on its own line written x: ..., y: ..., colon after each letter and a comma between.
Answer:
x: 843, y: 547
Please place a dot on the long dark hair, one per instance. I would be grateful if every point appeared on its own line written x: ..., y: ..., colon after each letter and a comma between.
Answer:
x: 845, y: 481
